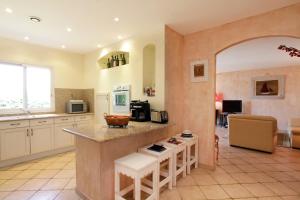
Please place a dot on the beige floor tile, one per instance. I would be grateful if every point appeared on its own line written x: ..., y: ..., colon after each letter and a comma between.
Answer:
x: 3, y: 195
x: 218, y: 170
x: 56, y: 166
x: 56, y: 184
x: 20, y: 167
x: 236, y: 191
x: 231, y: 168
x: 190, y: 193
x: 65, y: 174
x: 39, y: 166
x: 237, y: 161
x: 280, y: 189
x: 71, y: 184
x: 186, y: 181
x: 27, y: 174
x: 262, y: 177
x: 291, y: 198
x: 248, y: 168
x: 45, y: 195
x: 224, y: 179
x: 34, y: 184
x: 258, y: 189
x: 269, y: 198
x: 281, y: 176
x: 8, y: 174
x: 293, y: 185
x: 200, y: 171
x: 70, y: 165
x: 12, y: 185
x: 204, y: 179
x: 223, y: 161
x: 20, y: 195
x: 2, y: 181
x: 214, y: 192
x: 170, y: 195
x: 47, y: 174
x: 243, y: 178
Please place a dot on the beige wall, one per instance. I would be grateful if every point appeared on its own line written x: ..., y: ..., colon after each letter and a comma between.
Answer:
x: 198, y: 102
x: 67, y: 67
x: 237, y: 85
x: 103, y: 80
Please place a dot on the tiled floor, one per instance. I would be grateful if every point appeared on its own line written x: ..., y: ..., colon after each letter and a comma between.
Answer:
x: 243, y: 174
x: 240, y: 174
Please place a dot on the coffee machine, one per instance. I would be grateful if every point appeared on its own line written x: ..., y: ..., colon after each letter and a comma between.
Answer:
x: 140, y: 111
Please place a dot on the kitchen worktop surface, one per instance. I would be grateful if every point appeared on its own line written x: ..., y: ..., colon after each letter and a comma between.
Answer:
x: 38, y: 116
x: 102, y: 133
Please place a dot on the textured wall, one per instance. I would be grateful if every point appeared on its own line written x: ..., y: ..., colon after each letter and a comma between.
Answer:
x: 198, y: 101
x: 237, y: 85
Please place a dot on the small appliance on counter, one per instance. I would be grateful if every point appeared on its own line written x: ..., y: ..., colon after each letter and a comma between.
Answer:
x: 187, y: 134
x: 76, y: 106
x: 159, y: 116
x: 140, y: 111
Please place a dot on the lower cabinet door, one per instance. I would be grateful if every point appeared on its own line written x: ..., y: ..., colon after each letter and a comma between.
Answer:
x: 41, y: 138
x: 15, y: 143
x: 62, y: 138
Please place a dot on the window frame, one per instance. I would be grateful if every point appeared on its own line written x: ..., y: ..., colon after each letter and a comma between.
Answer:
x: 25, y: 109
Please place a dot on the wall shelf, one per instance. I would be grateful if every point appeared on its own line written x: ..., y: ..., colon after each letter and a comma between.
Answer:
x: 102, y: 62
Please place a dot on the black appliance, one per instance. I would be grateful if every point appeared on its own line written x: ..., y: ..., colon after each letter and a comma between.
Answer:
x: 140, y: 111
x: 232, y: 106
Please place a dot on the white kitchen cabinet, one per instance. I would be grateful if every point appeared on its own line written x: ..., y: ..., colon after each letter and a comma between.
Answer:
x: 62, y: 138
x: 41, y: 138
x: 15, y: 143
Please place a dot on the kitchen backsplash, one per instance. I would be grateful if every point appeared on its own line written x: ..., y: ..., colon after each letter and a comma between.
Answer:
x: 63, y: 95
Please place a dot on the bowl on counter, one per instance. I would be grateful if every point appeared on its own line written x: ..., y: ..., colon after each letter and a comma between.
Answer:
x: 116, y: 120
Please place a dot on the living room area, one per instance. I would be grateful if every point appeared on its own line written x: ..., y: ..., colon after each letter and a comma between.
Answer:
x: 257, y: 86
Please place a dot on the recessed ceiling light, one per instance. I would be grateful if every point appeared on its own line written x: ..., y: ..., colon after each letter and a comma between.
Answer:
x: 26, y: 38
x: 69, y: 29
x: 63, y: 46
x: 116, y: 19
x: 8, y: 10
x: 120, y: 37
x: 35, y: 19
x: 99, y: 45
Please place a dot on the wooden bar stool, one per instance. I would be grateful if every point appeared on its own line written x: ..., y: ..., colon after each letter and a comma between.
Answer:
x: 179, y: 163
x: 136, y: 166
x: 191, y: 157
x: 165, y: 158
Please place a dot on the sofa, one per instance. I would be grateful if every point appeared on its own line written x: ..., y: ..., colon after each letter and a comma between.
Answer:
x: 294, y: 132
x: 253, y: 132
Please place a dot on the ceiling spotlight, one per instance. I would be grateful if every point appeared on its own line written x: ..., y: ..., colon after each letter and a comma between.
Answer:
x: 35, y: 19
x: 8, y: 10
x: 69, y: 29
x: 99, y: 45
x: 120, y: 37
x: 63, y: 46
x: 116, y: 19
x: 26, y: 38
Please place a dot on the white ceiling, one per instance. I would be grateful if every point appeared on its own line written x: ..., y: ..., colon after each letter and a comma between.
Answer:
x: 92, y: 20
x: 257, y: 54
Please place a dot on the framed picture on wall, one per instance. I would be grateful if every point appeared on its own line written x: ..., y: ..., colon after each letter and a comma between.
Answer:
x: 199, y: 71
x: 271, y: 87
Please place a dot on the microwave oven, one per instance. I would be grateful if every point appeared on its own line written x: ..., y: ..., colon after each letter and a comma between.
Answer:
x: 76, y: 106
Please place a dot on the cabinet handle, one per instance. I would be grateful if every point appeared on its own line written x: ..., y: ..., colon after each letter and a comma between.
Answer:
x: 15, y: 124
x: 27, y: 132
x: 31, y: 132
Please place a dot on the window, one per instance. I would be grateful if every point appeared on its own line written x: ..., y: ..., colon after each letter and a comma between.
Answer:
x: 25, y: 88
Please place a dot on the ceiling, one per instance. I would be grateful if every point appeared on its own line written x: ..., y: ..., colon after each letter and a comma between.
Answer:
x: 92, y: 21
x: 258, y: 54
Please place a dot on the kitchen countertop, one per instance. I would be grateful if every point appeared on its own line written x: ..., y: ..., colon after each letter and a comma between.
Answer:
x: 102, y: 133
x: 38, y: 116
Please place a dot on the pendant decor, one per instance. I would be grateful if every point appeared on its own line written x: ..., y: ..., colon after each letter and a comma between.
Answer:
x: 292, y: 51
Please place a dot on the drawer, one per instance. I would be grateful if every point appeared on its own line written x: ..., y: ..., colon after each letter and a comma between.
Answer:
x: 14, y: 124
x: 60, y: 120
x: 39, y: 122
x: 83, y: 118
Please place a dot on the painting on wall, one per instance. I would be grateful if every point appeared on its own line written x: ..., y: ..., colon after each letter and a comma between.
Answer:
x: 268, y: 87
x: 199, y: 70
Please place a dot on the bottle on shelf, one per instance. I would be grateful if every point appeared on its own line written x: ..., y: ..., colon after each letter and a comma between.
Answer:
x: 113, y: 61
x: 108, y: 63
x: 117, y: 61
x: 123, y: 60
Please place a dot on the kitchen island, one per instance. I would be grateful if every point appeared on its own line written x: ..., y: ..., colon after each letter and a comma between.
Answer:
x: 98, y: 146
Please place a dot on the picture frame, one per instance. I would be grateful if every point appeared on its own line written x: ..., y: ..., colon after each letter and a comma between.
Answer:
x: 199, y: 71
x: 268, y: 87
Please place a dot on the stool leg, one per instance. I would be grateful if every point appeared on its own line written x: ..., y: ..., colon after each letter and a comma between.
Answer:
x: 184, y: 162
x: 170, y: 167
x: 196, y: 154
x: 137, y: 188
x: 174, y: 166
x: 188, y: 163
x: 155, y: 183
x: 117, y: 184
